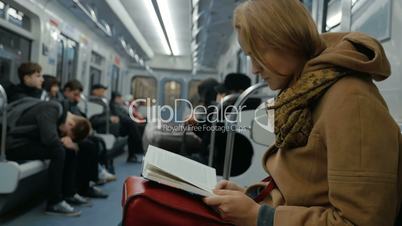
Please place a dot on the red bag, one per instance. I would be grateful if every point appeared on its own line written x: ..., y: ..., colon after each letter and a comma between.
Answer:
x: 147, y: 203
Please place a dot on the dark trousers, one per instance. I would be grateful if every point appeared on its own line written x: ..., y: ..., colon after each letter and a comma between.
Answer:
x: 87, y: 160
x: 61, y: 163
x: 131, y: 129
x: 69, y: 173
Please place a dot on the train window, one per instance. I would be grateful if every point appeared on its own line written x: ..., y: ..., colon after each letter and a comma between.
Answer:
x: 172, y: 91
x: 115, y: 78
x: 14, y: 50
x: 308, y: 4
x: 95, y: 77
x: 60, y: 60
x: 241, y: 62
x: 96, y: 59
x: 193, y: 96
x: 18, y: 18
x: 67, y: 54
x: 334, y: 15
x: 2, y: 6
x: 372, y: 17
x: 71, y: 55
x: 143, y: 87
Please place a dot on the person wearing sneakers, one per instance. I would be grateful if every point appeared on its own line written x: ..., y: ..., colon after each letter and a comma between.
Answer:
x: 120, y: 123
x: 43, y: 130
x: 92, y: 148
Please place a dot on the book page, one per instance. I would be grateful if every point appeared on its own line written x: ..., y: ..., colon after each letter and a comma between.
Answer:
x: 185, y: 169
x: 168, y: 180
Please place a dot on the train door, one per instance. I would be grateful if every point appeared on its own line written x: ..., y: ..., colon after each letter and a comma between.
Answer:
x: 193, y: 96
x: 67, y: 54
x: 143, y: 87
x: 172, y: 90
x: 95, y: 71
x: 14, y: 50
x: 95, y: 76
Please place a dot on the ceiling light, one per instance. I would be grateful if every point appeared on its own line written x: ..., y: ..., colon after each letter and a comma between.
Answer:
x: 166, y: 15
x: 131, y: 52
x: 121, y: 12
x: 93, y: 14
x: 154, y: 18
x: 123, y: 43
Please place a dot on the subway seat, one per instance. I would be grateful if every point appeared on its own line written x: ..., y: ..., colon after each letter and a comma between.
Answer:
x: 12, y: 172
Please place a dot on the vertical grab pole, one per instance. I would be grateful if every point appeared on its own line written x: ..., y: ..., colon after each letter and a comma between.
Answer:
x: 4, y: 124
x: 232, y: 126
x: 85, y: 100
x: 106, y: 105
x: 212, y: 144
x: 213, y: 131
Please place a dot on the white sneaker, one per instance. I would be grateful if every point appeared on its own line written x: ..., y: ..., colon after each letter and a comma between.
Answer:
x: 104, y: 176
x: 62, y: 208
x: 78, y: 200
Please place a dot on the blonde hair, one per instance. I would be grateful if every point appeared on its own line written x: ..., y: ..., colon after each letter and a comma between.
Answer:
x: 284, y: 25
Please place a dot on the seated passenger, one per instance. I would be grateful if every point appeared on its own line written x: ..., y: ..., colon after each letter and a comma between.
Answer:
x: 52, y: 87
x: 47, y: 132
x: 207, y: 95
x: 236, y: 83
x: 92, y: 148
x: 120, y: 123
x: 31, y: 81
x: 337, y: 154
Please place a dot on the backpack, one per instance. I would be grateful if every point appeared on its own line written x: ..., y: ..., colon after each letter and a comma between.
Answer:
x: 16, y: 109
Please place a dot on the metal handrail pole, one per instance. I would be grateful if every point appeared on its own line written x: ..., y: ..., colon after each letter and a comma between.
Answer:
x: 107, y: 109
x: 4, y: 124
x: 85, y: 101
x: 232, y: 125
x: 213, y: 129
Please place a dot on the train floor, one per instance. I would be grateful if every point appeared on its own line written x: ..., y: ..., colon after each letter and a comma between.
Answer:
x: 104, y: 212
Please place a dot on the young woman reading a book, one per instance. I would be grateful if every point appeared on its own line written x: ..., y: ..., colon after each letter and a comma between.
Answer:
x: 336, y: 159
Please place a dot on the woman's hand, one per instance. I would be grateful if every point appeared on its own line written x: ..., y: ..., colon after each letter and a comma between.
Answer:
x: 235, y: 206
x: 228, y: 185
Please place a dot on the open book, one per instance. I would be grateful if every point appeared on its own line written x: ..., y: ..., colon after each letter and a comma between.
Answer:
x: 179, y: 172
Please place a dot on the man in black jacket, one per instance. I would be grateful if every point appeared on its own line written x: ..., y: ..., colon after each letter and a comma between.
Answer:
x: 31, y: 79
x: 51, y: 136
x: 93, y: 148
x: 120, y: 123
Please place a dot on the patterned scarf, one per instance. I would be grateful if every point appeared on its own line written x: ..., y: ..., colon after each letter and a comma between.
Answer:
x: 293, y: 116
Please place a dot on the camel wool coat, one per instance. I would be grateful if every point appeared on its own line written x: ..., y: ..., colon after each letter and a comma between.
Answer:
x: 349, y: 173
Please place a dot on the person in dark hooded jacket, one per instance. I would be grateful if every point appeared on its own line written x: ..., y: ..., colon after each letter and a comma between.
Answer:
x: 31, y: 80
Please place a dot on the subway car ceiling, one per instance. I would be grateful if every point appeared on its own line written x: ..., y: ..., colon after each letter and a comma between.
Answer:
x: 114, y: 41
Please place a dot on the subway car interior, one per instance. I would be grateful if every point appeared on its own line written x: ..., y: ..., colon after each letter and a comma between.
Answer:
x: 135, y: 74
